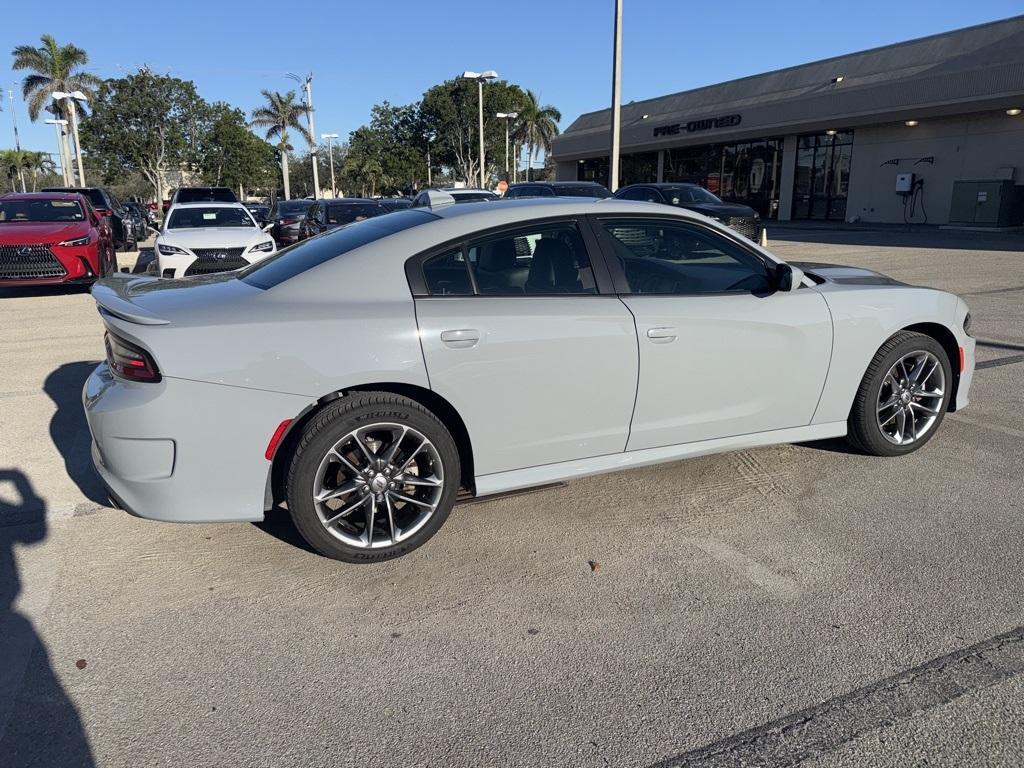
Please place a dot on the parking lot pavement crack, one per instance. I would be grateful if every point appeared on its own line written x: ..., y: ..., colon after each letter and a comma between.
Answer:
x: 827, y: 726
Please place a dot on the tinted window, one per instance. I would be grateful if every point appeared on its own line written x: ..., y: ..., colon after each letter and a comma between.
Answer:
x: 349, y: 212
x: 535, y: 260
x: 310, y: 253
x: 206, y: 195
x: 641, y: 193
x: 292, y: 208
x: 669, y: 258
x: 530, y: 191
x: 582, y: 190
x: 689, y: 194
x: 471, y: 197
x: 95, y: 195
x: 446, y: 275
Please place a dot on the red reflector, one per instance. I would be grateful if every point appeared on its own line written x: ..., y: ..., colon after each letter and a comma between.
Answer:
x: 276, y: 438
x: 961, y: 359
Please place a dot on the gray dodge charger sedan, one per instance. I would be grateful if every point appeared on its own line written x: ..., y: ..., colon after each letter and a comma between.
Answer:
x: 368, y: 375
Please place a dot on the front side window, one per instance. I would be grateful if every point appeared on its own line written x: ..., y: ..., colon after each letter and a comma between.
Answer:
x: 665, y: 257
x: 200, y: 217
x: 349, y: 212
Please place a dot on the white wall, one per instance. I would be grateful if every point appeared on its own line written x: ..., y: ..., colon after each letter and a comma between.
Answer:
x: 965, y: 148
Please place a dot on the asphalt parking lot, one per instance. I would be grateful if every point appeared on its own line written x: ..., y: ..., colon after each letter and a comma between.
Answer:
x: 767, y: 607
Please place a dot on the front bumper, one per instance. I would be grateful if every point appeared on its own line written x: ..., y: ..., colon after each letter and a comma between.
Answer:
x: 77, y: 264
x: 181, y: 450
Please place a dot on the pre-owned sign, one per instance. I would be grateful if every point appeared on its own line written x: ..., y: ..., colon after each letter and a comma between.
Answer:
x: 693, y: 126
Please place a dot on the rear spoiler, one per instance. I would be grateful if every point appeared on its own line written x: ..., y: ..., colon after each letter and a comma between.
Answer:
x: 113, y: 297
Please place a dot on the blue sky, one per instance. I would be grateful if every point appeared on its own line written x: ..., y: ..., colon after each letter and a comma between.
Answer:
x: 362, y: 53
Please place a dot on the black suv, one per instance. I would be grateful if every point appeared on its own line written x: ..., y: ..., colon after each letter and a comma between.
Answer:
x: 329, y: 213
x: 693, y: 197
x: 286, y: 216
x: 203, y: 195
x: 556, y: 189
x: 108, y: 206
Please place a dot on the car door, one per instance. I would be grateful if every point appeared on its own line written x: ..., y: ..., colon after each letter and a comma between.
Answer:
x: 522, y: 333
x: 722, y: 352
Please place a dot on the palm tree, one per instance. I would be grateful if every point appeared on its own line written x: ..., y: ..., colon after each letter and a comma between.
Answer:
x: 537, y: 126
x: 38, y: 163
x: 280, y: 113
x: 53, y: 68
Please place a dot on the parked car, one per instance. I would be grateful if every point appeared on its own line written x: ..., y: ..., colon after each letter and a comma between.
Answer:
x: 693, y: 197
x: 336, y: 212
x: 260, y: 212
x: 286, y: 216
x: 395, y: 203
x: 203, y: 195
x: 52, y: 237
x: 369, y: 375
x: 109, y: 207
x: 201, y: 238
x: 459, y: 194
x: 137, y: 215
x: 556, y: 189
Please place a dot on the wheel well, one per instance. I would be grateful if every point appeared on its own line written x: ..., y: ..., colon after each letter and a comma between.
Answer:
x: 432, y: 401
x: 945, y: 337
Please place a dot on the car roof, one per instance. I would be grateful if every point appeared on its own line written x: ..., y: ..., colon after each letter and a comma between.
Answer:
x: 556, y: 184
x: 528, y: 208
x: 210, y: 204
x: 335, y: 200
x: 43, y: 196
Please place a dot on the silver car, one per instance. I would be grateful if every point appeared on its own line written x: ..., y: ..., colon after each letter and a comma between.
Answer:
x: 369, y: 375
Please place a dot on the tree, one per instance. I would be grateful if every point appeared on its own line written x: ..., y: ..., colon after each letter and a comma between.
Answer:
x: 365, y: 170
x: 53, y: 68
x: 280, y: 113
x: 232, y: 156
x: 145, y: 123
x: 536, y: 126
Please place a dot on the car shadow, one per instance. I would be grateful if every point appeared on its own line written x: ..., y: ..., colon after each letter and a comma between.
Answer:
x: 35, y: 291
x: 278, y: 523
x: 39, y: 724
x: 834, y: 445
x: 69, y: 430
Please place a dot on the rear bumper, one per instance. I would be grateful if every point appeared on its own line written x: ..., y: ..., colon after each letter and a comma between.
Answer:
x: 183, y: 451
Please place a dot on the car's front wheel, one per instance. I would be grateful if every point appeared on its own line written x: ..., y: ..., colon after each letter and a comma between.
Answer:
x: 903, y: 396
x: 374, y: 476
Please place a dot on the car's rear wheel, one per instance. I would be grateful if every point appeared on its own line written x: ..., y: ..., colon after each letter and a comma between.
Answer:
x: 903, y: 396
x: 374, y: 476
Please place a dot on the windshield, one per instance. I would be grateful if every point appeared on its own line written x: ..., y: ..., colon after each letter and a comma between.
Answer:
x: 584, y: 190
x: 682, y: 195
x: 40, y: 210
x: 206, y: 194
x: 293, y: 207
x: 200, y: 217
x: 472, y: 197
x: 95, y: 196
x: 345, y: 214
x: 306, y: 254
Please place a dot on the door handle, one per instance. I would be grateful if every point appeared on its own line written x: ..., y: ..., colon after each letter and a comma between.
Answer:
x: 463, y: 338
x: 661, y: 335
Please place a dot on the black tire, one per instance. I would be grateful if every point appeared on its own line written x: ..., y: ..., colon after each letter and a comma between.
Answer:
x: 333, y: 423
x: 863, y: 429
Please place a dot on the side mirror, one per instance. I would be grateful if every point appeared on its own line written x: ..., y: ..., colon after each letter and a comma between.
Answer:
x: 154, y: 227
x: 267, y: 227
x: 788, y: 277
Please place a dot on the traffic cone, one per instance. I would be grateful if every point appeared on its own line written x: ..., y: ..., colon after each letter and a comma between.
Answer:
x: 764, y: 238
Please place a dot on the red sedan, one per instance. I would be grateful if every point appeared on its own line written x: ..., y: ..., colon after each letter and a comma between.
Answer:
x: 52, y: 237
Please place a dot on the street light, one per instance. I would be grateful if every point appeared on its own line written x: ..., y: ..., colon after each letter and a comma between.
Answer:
x: 613, y: 159
x: 430, y: 179
x: 71, y: 98
x: 480, y: 77
x: 508, y: 116
x: 60, y: 126
x: 330, y: 152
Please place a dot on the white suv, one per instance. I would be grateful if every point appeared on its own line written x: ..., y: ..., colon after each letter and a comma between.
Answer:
x: 200, y: 238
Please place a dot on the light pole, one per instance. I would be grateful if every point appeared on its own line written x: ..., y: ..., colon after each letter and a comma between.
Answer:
x: 613, y: 159
x: 17, y: 141
x: 430, y: 178
x: 70, y: 99
x: 60, y: 125
x: 330, y: 153
x: 480, y: 77
x: 307, y: 86
x: 508, y: 117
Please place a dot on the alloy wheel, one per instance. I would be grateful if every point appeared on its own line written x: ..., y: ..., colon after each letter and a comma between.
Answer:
x: 910, y: 398
x: 378, y: 485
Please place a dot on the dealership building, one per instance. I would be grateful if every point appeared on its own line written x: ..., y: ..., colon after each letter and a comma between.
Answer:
x: 927, y: 129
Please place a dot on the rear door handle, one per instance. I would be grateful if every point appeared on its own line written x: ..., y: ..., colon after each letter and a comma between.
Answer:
x: 462, y: 338
x: 661, y: 335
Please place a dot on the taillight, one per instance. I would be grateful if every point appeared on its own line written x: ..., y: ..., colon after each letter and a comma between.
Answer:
x: 129, y: 361
x: 104, y: 212
x: 286, y: 222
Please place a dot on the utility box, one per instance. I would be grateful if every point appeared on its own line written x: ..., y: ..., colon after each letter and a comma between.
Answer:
x: 985, y: 204
x: 904, y: 183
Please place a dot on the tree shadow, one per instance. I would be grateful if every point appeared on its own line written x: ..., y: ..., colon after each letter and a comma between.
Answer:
x: 69, y: 430
x: 39, y: 725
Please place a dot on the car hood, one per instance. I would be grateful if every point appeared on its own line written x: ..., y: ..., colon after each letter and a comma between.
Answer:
x: 213, y: 237
x: 721, y: 210
x: 41, y: 232
x: 840, y: 275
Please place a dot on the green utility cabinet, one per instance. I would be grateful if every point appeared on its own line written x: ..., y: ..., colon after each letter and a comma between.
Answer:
x: 985, y: 204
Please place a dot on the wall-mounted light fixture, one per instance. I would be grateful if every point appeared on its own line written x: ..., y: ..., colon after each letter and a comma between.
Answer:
x: 1013, y: 112
x: 910, y: 123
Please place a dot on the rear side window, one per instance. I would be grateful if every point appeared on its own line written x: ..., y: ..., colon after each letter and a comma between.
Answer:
x: 447, y: 275
x: 583, y: 190
x: 307, y: 254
